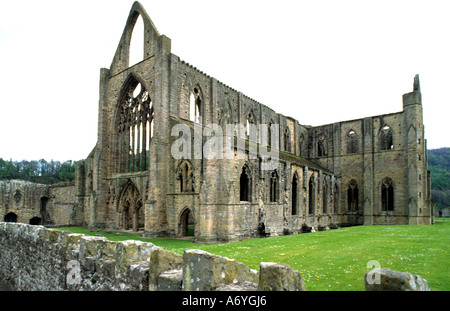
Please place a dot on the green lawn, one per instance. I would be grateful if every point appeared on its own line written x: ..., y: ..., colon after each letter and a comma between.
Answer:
x: 337, y: 259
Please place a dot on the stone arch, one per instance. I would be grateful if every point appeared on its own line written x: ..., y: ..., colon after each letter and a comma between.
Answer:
x: 186, y: 223
x: 149, y: 38
x: 10, y: 217
x: 131, y: 208
x: 36, y: 221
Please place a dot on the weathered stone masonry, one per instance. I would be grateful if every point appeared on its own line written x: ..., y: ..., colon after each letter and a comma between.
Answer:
x: 37, y: 258
x: 366, y: 171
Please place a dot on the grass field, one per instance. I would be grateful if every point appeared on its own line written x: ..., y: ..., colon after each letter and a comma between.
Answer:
x: 337, y: 259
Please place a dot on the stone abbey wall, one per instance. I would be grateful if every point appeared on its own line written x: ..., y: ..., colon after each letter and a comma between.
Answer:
x: 38, y: 204
x: 367, y: 171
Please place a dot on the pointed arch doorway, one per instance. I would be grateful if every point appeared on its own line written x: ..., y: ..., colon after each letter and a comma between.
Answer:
x: 131, y: 208
x: 186, y: 225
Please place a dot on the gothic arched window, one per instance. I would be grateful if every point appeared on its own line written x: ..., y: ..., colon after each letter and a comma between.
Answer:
x: 386, y: 140
x: 134, y: 127
x: 186, y: 177
x: 387, y: 194
x: 325, y: 197
x: 274, y: 187
x: 311, y: 196
x: 244, y: 184
x: 352, y: 195
x: 287, y: 140
x: 294, y: 189
x: 321, y: 147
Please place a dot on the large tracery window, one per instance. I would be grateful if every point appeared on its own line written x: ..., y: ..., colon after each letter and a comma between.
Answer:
x: 135, y: 128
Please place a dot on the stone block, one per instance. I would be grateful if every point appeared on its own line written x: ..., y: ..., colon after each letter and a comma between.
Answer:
x: 203, y: 271
x: 170, y: 280
x: 238, y: 287
x: 162, y: 260
x: 383, y: 279
x: 279, y: 277
x: 138, y: 275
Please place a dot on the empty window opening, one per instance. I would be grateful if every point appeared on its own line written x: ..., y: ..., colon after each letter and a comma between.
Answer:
x: 244, y: 184
x: 137, y: 43
x: 325, y: 198
x: 274, y: 187
x: 44, y: 202
x: 195, y: 106
x: 269, y: 135
x: 287, y: 140
x: 352, y: 196
x: 336, y: 199
x: 321, y: 147
x: 386, y: 140
x: 311, y: 196
x: 36, y: 221
x: 10, y: 217
x: 352, y: 142
x: 294, y: 189
x: 387, y: 195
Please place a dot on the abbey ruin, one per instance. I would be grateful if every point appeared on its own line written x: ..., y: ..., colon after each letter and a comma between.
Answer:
x: 369, y: 171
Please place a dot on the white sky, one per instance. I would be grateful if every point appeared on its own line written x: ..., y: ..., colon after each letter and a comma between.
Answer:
x: 316, y: 61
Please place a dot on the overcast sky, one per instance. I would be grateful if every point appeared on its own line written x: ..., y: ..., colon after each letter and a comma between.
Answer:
x: 316, y: 61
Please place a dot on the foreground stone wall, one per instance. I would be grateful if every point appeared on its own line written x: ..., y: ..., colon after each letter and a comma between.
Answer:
x: 37, y: 258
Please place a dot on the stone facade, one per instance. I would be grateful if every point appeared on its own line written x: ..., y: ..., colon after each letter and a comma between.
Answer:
x: 366, y: 171
x: 38, y: 204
